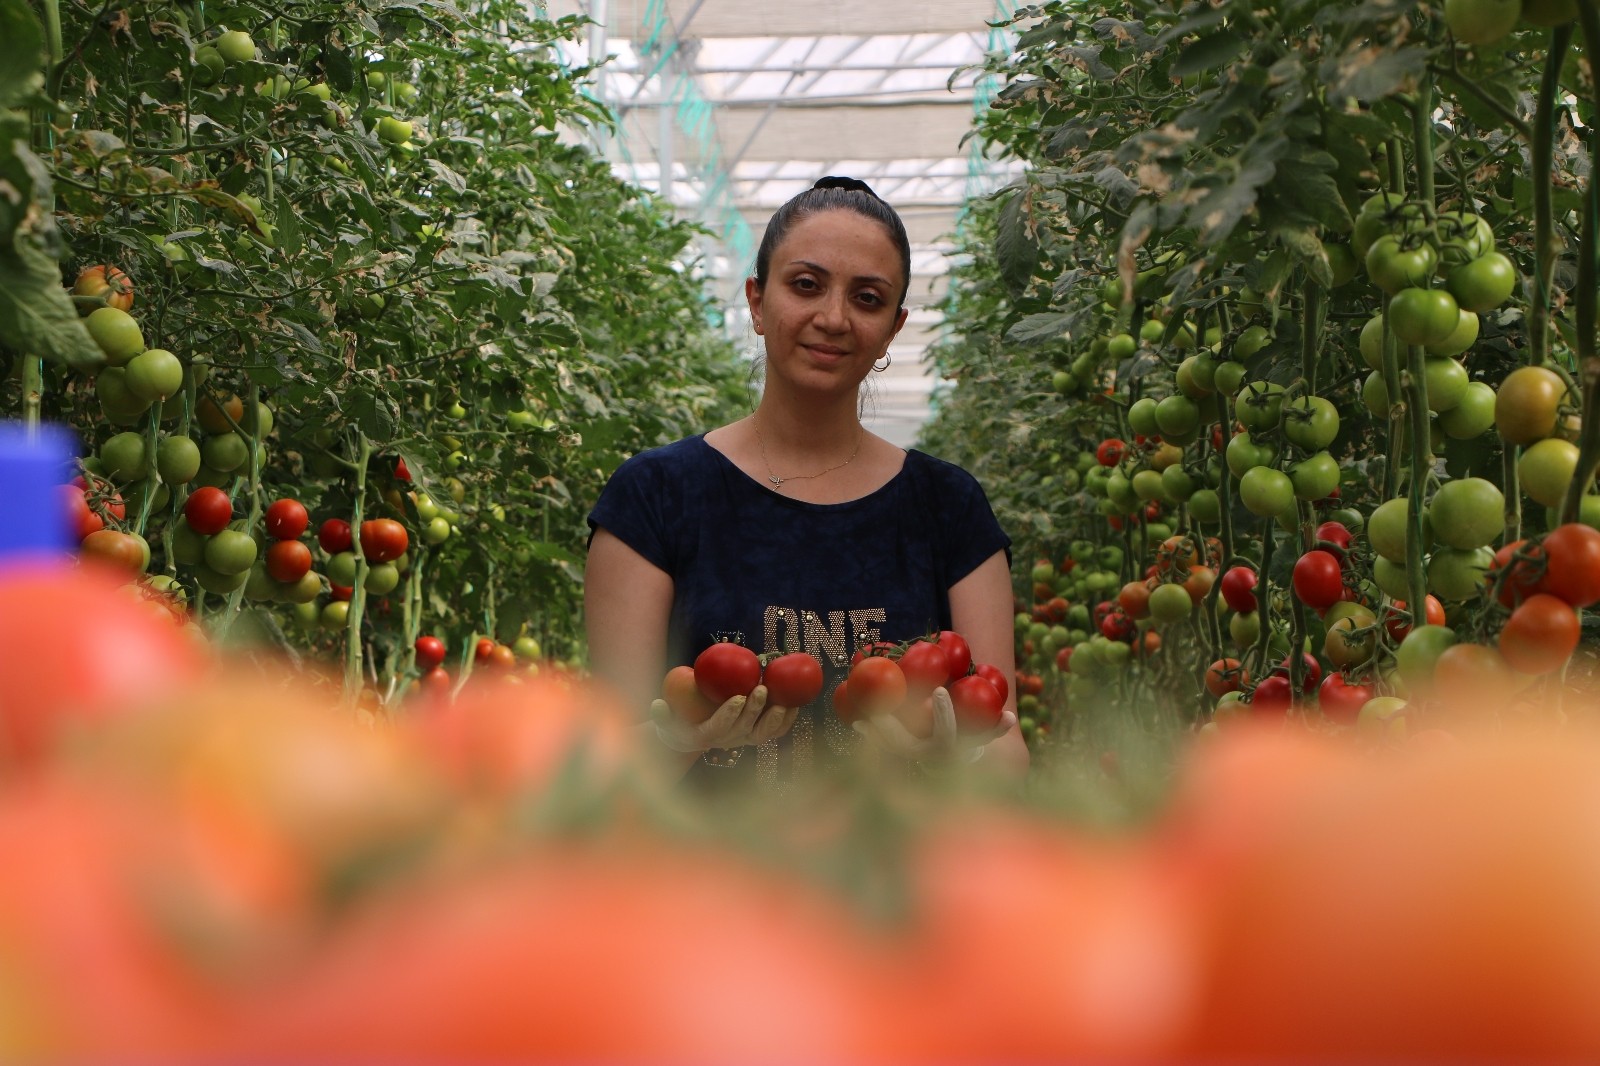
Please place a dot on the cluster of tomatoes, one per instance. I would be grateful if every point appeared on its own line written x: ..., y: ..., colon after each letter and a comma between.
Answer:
x: 884, y: 679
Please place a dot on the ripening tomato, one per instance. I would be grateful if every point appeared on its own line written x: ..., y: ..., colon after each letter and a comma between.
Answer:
x: 683, y: 696
x: 1541, y: 635
x: 1225, y: 675
x: 429, y: 653
x: 1397, y: 619
x: 483, y: 651
x: 1118, y: 626
x: 926, y: 666
x: 1134, y: 599
x: 106, y: 282
x: 286, y: 519
x: 1312, y: 675
x: 795, y: 679
x: 725, y: 670
x: 208, y: 510
x: 1272, y: 697
x: 334, y: 536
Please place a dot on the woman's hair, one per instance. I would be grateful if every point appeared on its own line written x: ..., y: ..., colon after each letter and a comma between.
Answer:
x: 835, y: 194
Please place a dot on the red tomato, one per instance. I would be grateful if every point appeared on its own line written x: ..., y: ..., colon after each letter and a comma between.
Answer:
x: 1313, y: 671
x: 1118, y: 626
x: 958, y: 651
x: 435, y: 681
x: 341, y: 592
x: 1341, y: 701
x: 208, y: 510
x: 877, y: 686
x: 1134, y: 599
x: 1198, y: 583
x: 1272, y: 697
x: 1522, y: 574
x: 1540, y: 635
x: 841, y: 703
x: 383, y: 540
x: 1335, y: 538
x: 288, y: 561
x: 1318, y: 579
x: 978, y: 704
x: 1063, y: 662
x: 926, y: 666
x: 483, y: 650
x: 1397, y: 619
x: 1238, y: 589
x: 81, y: 520
x: 286, y: 519
x: 877, y: 647
x: 401, y: 471
x: 725, y: 670
x: 430, y: 653
x: 1225, y: 675
x: 1572, y: 564
x: 1110, y: 452
x: 334, y: 536
x: 793, y: 680
x: 998, y: 679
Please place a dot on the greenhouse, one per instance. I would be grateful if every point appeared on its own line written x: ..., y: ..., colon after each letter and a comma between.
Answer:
x: 674, y: 530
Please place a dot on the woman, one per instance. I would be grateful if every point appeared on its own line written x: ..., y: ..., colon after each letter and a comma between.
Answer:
x: 794, y: 528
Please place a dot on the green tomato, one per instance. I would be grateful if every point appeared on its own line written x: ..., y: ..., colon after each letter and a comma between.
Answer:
x: 1468, y: 513
x: 1375, y: 395
x: 1484, y: 283
x: 1311, y: 422
x: 1121, y: 346
x: 1462, y: 236
x: 1386, y: 529
x: 341, y: 569
x: 1341, y: 263
x: 1481, y: 21
x: 177, y: 460
x: 1392, y: 578
x: 1266, y: 492
x: 1454, y: 574
x: 1372, y: 342
x: 1383, y: 718
x: 1244, y: 454
x: 1148, y: 485
x: 1251, y: 340
x: 1259, y: 405
x: 1245, y: 629
x: 1177, y: 416
x: 1314, y: 477
x: 1464, y: 336
x: 116, y: 333
x: 1205, y: 507
x: 1419, y: 653
x: 393, y: 131
x: 1546, y: 468
x: 154, y: 375
x: 225, y: 452
x: 124, y: 457
x: 1228, y: 377
x: 1399, y: 262
x: 1473, y: 415
x: 435, y: 531
x: 236, y: 46
x: 1446, y: 381
x: 231, y: 552
x: 1142, y: 417
x: 1177, y: 483
x: 382, y: 578
x: 1196, y: 376
x: 1170, y: 603
x: 1422, y: 316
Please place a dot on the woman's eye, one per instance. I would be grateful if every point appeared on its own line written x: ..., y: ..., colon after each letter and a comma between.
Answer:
x: 807, y: 284
x: 871, y: 298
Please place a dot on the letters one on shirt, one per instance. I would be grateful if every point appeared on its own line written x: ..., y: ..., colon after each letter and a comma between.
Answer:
x: 826, y: 638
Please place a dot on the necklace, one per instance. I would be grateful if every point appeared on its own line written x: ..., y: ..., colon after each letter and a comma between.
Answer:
x: 777, y: 482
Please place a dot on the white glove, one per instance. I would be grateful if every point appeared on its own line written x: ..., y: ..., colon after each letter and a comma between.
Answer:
x: 887, y: 733
x: 739, y: 722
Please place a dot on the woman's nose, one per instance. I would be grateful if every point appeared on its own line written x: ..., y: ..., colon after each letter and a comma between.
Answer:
x: 831, y: 313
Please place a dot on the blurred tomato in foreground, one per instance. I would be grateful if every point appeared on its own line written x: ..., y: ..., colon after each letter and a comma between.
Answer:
x: 610, y: 952
x: 77, y: 646
x: 1443, y: 909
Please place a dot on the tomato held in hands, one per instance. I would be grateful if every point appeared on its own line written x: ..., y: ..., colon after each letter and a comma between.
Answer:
x: 683, y: 696
x: 998, y: 679
x: 978, y: 704
x: 726, y: 670
x: 926, y: 666
x: 958, y: 651
x: 877, y: 686
x: 792, y: 680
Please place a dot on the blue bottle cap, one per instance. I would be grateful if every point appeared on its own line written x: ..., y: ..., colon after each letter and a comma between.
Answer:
x: 35, y: 522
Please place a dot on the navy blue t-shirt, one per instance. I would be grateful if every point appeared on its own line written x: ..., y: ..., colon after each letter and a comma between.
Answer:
x: 776, y: 574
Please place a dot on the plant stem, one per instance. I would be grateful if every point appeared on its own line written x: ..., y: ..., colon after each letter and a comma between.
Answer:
x: 1416, y: 406
x: 1585, y: 296
x: 358, y: 598
x: 1542, y: 162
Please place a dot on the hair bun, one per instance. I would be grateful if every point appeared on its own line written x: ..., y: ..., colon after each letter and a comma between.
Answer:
x: 848, y: 184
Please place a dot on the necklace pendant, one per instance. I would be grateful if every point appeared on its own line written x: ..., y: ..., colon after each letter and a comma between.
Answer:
x: 776, y: 480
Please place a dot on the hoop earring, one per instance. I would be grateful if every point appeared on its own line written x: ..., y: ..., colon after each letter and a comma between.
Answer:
x: 888, y: 357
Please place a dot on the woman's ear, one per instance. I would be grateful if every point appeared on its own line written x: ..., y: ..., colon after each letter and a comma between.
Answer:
x: 752, y: 296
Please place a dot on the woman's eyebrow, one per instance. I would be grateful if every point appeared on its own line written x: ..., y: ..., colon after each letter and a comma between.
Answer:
x: 820, y: 269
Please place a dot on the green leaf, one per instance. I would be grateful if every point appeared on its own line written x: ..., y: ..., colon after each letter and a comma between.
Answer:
x: 1216, y: 50
x: 376, y: 415
x: 1036, y: 329
x: 1368, y: 72
x: 37, y: 316
x: 21, y: 52
x: 1017, y: 251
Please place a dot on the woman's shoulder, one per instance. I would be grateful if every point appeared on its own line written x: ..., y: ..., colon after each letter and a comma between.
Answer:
x: 678, y: 458
x: 939, y: 473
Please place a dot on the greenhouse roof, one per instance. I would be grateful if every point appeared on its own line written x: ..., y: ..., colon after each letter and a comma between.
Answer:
x: 731, y: 108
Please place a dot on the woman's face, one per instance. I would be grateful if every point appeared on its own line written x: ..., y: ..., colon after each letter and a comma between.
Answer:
x: 828, y: 311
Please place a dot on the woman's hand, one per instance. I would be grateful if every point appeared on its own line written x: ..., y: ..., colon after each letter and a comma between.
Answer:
x: 888, y: 733
x: 739, y: 722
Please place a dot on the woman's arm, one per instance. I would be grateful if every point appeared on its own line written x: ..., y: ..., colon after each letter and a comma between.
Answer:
x: 980, y: 610
x: 627, y: 601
